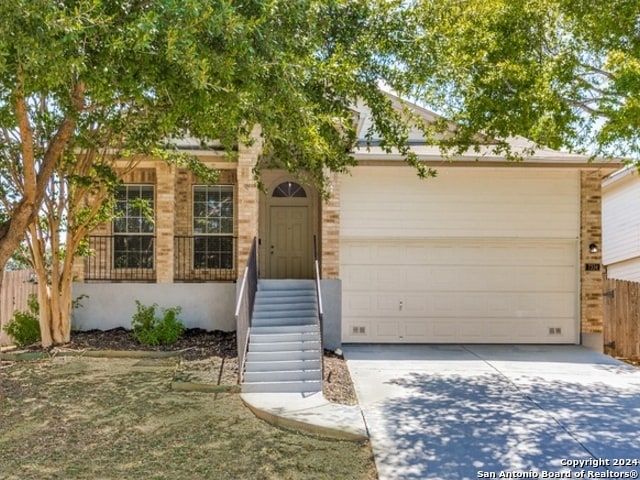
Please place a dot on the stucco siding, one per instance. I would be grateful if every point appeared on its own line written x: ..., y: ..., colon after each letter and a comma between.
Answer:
x: 109, y: 305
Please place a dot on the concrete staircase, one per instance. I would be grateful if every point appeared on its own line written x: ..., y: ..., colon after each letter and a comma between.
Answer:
x: 285, y: 352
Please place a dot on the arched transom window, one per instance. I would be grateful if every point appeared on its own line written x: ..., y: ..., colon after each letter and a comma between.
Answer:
x: 288, y: 190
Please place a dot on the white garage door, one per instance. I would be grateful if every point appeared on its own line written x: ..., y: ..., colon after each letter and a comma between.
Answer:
x: 459, y: 291
x: 475, y: 273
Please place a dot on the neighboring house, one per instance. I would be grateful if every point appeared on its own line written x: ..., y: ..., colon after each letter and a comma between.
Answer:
x: 489, y: 251
x: 621, y: 225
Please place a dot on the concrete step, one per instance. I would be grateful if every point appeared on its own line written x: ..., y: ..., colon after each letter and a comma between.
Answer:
x: 282, y: 321
x: 284, y: 337
x: 303, y: 310
x: 282, y: 356
x: 279, y: 293
x: 285, y: 284
x: 285, y: 305
x: 283, y: 376
x: 302, y: 346
x: 285, y: 351
x: 285, y: 329
x: 282, y: 387
x: 307, y: 312
x: 282, y: 365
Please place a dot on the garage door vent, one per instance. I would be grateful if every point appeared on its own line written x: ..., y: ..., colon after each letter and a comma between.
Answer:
x: 555, y: 331
x: 358, y: 330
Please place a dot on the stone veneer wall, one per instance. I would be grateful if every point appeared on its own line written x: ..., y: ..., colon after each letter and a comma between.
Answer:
x: 183, y: 203
x: 247, y: 206
x: 164, y: 227
x: 330, y: 231
x: 591, y: 282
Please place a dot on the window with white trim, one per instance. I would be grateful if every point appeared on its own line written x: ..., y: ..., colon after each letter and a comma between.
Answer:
x: 213, y: 226
x: 133, y: 229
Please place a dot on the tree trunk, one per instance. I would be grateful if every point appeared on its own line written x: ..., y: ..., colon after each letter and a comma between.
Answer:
x: 12, y: 232
x: 45, y: 313
x: 55, y: 310
x: 60, y: 301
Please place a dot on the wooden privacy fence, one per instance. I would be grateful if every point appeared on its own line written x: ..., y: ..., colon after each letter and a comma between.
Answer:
x: 622, y: 318
x: 14, y: 294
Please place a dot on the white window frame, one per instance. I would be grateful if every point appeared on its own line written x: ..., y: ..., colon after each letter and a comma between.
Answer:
x: 143, y: 234
x: 213, y: 245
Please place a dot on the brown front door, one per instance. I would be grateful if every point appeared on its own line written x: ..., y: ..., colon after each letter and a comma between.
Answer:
x: 289, y: 247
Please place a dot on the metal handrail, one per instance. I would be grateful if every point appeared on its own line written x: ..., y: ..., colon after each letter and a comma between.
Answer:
x: 316, y: 264
x: 244, y: 306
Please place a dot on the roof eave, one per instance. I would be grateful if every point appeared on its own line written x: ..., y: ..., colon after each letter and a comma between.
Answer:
x: 564, y: 161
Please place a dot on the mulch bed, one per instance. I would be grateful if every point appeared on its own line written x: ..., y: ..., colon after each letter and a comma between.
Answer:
x: 195, y: 343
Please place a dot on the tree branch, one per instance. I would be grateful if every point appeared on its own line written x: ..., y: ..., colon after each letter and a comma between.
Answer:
x: 26, y: 135
x: 599, y: 71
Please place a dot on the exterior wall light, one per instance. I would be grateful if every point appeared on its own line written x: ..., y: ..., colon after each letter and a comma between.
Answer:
x: 593, y: 247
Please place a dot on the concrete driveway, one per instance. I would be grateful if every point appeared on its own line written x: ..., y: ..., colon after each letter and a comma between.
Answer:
x: 479, y: 411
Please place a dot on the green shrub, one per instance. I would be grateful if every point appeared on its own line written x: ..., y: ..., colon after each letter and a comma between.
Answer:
x: 24, y: 327
x: 149, y: 329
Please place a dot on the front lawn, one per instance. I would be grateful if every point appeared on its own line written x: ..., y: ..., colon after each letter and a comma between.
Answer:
x: 86, y: 418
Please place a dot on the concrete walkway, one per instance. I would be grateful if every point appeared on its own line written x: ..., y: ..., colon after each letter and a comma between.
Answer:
x: 309, y: 413
x: 466, y: 412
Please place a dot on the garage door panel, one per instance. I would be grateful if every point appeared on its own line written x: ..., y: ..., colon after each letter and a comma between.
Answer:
x: 546, y: 253
x: 461, y: 278
x: 461, y: 201
x: 511, y: 290
x: 386, y: 330
x: 458, y: 251
x: 379, y: 279
x: 464, y: 330
x: 357, y: 253
x: 357, y: 304
x: 502, y: 304
x: 443, y: 331
x: 545, y: 279
x: 390, y: 279
x: 474, y: 331
x: 455, y: 304
x: 415, y: 304
x: 387, y: 304
x: 503, y: 278
x: 414, y: 330
x: 358, y: 277
x: 417, y: 278
x: 547, y: 305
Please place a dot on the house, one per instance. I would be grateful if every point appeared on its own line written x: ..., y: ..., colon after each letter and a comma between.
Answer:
x: 621, y: 225
x: 489, y: 251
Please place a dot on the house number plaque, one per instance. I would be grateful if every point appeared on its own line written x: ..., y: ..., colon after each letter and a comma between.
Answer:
x: 592, y: 267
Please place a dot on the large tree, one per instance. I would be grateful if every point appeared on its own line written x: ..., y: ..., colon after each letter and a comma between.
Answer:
x: 83, y: 82
x: 563, y: 73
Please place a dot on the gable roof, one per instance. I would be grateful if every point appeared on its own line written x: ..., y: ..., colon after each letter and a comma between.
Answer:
x: 372, y: 151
